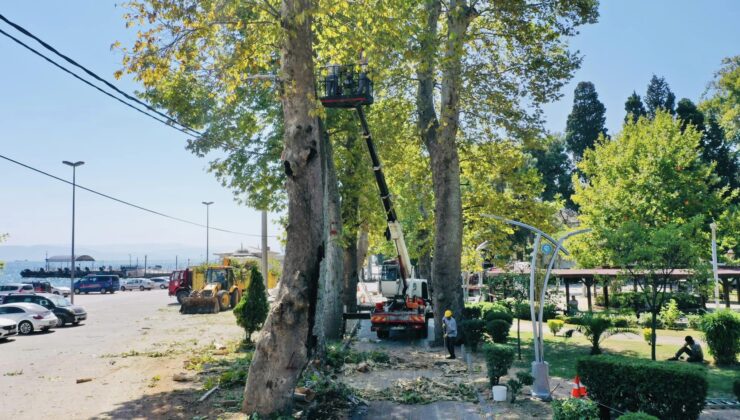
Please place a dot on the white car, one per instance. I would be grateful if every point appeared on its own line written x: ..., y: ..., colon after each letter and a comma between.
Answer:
x: 60, y: 290
x: 133, y: 284
x: 6, y: 289
x: 8, y: 327
x: 29, y: 316
x: 162, y: 282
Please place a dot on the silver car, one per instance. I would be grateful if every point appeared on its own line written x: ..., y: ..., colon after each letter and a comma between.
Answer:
x: 134, y: 284
x: 29, y: 316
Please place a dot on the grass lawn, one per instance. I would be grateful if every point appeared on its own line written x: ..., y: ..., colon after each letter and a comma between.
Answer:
x: 562, y: 354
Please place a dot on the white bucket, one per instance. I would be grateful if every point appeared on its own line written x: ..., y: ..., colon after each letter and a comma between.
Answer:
x: 499, y: 393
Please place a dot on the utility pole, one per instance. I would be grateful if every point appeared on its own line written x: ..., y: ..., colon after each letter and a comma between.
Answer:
x: 145, y: 257
x: 264, y: 248
x: 208, y: 228
x: 175, y: 262
x: 74, y: 185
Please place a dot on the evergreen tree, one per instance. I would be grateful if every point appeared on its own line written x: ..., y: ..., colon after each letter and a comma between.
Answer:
x: 659, y: 96
x: 688, y: 113
x: 715, y: 148
x: 556, y: 169
x: 634, y: 108
x: 251, y: 311
x: 586, y: 120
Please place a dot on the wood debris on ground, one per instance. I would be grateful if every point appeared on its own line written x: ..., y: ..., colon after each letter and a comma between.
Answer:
x: 423, y: 390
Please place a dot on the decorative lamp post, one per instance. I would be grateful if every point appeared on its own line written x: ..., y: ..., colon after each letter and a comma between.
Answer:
x: 540, y: 368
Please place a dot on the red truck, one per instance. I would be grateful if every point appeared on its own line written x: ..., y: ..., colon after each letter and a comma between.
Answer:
x: 181, y: 284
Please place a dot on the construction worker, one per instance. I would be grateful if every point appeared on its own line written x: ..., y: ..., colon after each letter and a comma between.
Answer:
x: 449, y: 326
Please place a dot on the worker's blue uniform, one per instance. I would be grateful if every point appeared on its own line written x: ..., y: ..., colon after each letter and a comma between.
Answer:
x: 451, y: 330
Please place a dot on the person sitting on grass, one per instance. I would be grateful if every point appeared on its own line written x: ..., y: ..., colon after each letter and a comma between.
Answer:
x: 692, y: 349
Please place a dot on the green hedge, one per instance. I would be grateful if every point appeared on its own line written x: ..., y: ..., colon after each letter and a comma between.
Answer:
x: 722, y: 333
x: 499, y: 359
x: 685, y: 301
x: 665, y: 390
x: 637, y: 416
x: 522, y: 310
x: 481, y: 309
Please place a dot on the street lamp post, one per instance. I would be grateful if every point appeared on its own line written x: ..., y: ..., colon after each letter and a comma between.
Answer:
x: 208, y: 228
x: 74, y: 185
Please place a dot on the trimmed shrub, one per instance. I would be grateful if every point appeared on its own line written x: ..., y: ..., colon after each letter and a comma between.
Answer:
x: 471, y: 311
x: 665, y: 390
x: 736, y: 389
x: 486, y: 307
x: 685, y: 302
x: 523, y: 312
x: 637, y: 416
x: 504, y: 316
x: 498, y: 329
x: 514, y: 386
x: 472, y: 330
x: 525, y: 377
x: 555, y: 325
x: 722, y: 333
x: 574, y: 409
x: 647, y: 334
x: 498, y: 361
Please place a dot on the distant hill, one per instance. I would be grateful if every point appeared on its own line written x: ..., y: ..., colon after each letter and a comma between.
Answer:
x: 109, y: 252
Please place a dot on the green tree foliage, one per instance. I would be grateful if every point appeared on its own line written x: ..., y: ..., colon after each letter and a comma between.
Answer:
x: 251, y: 311
x: 659, y: 97
x: 723, y: 97
x: 634, y: 108
x: 555, y: 167
x: 586, y: 120
x: 722, y: 332
x: 669, y: 314
x: 688, y: 113
x: 649, y: 200
x: 717, y: 150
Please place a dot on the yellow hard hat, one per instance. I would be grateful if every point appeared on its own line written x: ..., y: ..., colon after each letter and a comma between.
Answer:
x: 448, y: 313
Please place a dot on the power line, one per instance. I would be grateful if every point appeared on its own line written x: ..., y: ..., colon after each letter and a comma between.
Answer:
x: 64, y: 69
x: 170, y: 122
x: 136, y: 206
x: 95, y: 76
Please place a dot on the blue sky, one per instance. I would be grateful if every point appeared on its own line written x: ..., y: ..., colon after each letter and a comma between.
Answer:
x: 48, y: 117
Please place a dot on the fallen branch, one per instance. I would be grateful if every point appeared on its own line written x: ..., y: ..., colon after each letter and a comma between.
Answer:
x: 208, y: 394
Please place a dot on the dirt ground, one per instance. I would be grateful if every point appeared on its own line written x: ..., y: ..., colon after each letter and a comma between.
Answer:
x: 130, y: 347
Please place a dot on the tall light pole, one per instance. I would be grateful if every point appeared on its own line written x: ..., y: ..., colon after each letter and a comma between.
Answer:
x: 74, y: 187
x: 713, y: 226
x: 208, y: 228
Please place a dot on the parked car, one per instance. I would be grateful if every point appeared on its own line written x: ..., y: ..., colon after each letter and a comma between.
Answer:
x: 133, y: 284
x: 65, y: 312
x: 161, y: 282
x: 8, y: 327
x: 103, y: 283
x: 60, y: 290
x: 6, y: 289
x: 29, y: 316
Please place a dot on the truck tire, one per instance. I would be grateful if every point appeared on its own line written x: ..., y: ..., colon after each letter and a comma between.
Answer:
x: 182, y: 294
x: 384, y: 334
x: 220, y: 297
x: 235, y: 298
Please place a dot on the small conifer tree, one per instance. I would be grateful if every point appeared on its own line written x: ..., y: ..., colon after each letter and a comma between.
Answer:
x: 251, y: 311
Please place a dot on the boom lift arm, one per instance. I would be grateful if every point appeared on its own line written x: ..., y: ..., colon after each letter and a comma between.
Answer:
x: 394, y: 232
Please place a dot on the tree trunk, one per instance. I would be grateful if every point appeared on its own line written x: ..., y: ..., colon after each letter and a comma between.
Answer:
x: 440, y: 141
x: 653, y: 336
x: 737, y: 288
x: 726, y: 292
x: 349, y: 294
x: 606, y: 296
x: 334, y: 262
x: 587, y: 283
x: 286, y: 339
x: 363, y: 245
x: 567, y: 296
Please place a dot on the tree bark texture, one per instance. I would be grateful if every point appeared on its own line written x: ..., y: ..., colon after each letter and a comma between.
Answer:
x: 363, y: 245
x: 333, y: 264
x: 440, y: 141
x: 286, y: 339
